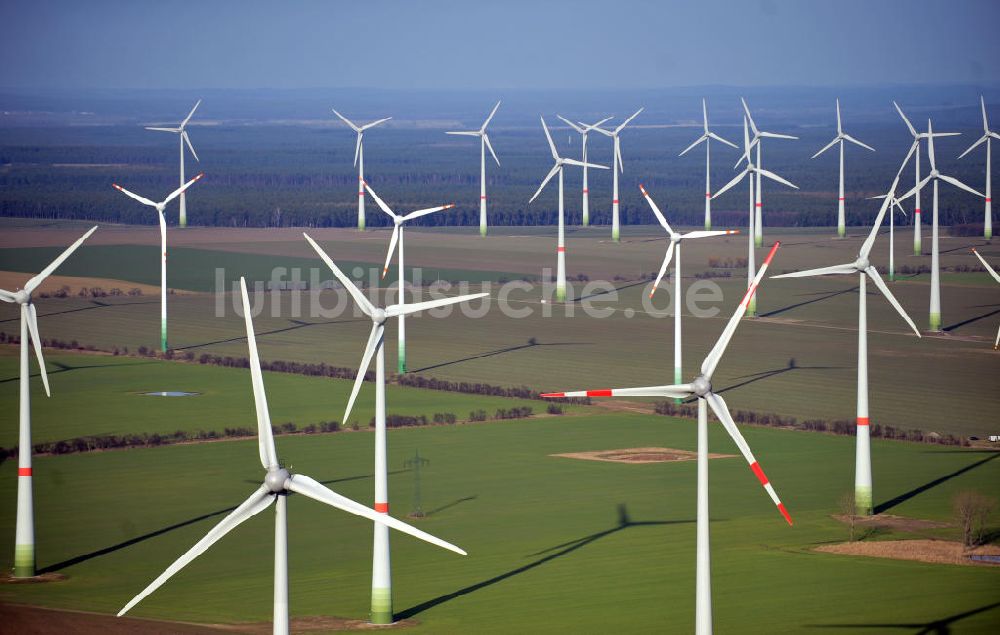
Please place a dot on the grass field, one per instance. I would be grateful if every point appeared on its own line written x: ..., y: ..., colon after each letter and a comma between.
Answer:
x: 549, y: 547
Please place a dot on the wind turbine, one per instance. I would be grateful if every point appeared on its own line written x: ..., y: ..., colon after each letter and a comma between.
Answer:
x: 183, y: 138
x: 163, y: 247
x: 706, y: 137
x: 988, y: 136
x: 484, y: 143
x: 278, y: 484
x: 892, y: 225
x: 381, y: 609
x: 615, y: 222
x: 561, y: 245
x: 397, y: 238
x: 749, y: 170
x: 915, y: 148
x: 24, y: 532
x: 584, y: 130
x: 359, y: 160
x: 864, y: 270
x: 996, y: 276
x: 675, y: 245
x: 935, y: 308
x: 840, y: 139
x: 758, y: 226
x: 701, y: 387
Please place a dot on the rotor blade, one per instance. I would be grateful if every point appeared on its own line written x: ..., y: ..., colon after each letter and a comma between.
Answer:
x: 721, y: 140
x: 141, y: 199
x: 256, y: 503
x: 696, y: 142
x: 489, y: 146
x: 747, y: 146
x: 618, y: 155
x: 367, y: 307
x: 36, y: 280
x: 465, y: 133
x: 302, y: 484
x: 775, y: 135
x: 265, y: 436
x: 974, y: 145
x: 992, y: 271
x: 775, y: 177
x: 858, y: 143
x: 986, y: 125
x: 930, y: 144
x: 357, y: 148
x: 708, y: 233
x: 721, y: 410
x: 663, y: 268
x: 589, y: 127
x: 552, y: 145
x: 416, y: 307
x: 392, y: 248
x: 677, y: 391
x: 163, y: 129
x: 545, y: 181
x: 715, y: 355
x: 656, y: 210
x: 425, y: 212
x: 571, y: 124
x: 6, y: 296
x: 490, y: 118
x: 346, y: 120
x: 957, y: 183
x: 866, y: 247
x: 190, y: 114
x: 380, y: 202
x: 913, y: 148
x: 737, y: 179
x: 916, y: 188
x: 581, y: 164
x: 37, y: 342
x: 187, y: 140
x: 820, y: 271
x: 840, y: 129
x: 622, y: 125
x: 877, y: 279
x: 178, y: 191
x: 746, y: 109
x: 375, y: 123
x: 827, y: 147
x: 913, y: 131
x: 704, y: 114
x: 374, y: 341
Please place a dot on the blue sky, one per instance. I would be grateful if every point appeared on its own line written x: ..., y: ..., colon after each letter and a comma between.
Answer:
x: 502, y: 44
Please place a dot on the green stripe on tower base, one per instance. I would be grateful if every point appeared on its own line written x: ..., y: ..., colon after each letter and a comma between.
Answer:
x: 916, y: 248
x: 935, y: 321
x: 863, y: 500
x: 24, y: 561
x: 677, y: 380
x: 482, y: 231
x: 616, y: 235
x: 163, y: 337
x: 381, y: 606
x: 401, y: 363
x: 841, y: 231
x: 560, y: 293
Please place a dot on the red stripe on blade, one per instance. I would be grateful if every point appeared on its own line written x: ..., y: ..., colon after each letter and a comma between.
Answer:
x: 553, y: 394
x: 759, y: 473
x: 770, y: 254
x: 598, y: 393
x: 784, y: 512
x: 24, y: 471
x: 382, y: 508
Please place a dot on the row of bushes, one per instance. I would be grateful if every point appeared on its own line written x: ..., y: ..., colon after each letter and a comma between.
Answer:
x: 840, y: 426
x: 515, y: 392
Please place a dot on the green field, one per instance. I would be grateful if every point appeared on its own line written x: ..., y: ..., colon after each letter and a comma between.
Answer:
x: 549, y: 550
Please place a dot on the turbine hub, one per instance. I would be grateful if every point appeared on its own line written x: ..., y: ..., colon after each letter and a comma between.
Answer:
x: 675, y: 238
x: 379, y: 317
x: 701, y: 386
x: 22, y: 297
x: 276, y: 479
x: 861, y: 264
x: 397, y: 220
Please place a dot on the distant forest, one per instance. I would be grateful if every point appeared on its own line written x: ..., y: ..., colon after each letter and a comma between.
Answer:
x: 268, y: 175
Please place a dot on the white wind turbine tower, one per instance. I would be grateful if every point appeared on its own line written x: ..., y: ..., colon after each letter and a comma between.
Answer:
x: 840, y: 139
x: 864, y: 270
x: 183, y: 138
x: 614, y: 134
x: 675, y: 245
x: 706, y: 137
x: 701, y: 387
x: 278, y: 484
x: 749, y: 170
x: 935, y: 304
x: 584, y: 130
x: 561, y: 244
x: 159, y: 207
x: 397, y: 238
x: 381, y: 609
x: 758, y: 225
x: 484, y: 143
x: 996, y: 276
x: 24, y: 532
x: 988, y: 136
x: 359, y: 160
x: 915, y: 149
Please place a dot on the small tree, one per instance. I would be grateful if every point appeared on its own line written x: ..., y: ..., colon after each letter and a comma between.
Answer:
x: 971, y: 510
x: 848, y: 511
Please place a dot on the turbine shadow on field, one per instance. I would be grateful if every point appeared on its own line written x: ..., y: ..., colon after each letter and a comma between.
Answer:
x: 500, y: 351
x: 952, y: 327
x: 889, y: 504
x: 438, y: 510
x: 826, y: 296
x: 942, y: 626
x: 65, y: 368
x: 767, y: 374
x: 296, y: 324
x: 558, y: 551
x: 96, y: 305
x: 610, y: 291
